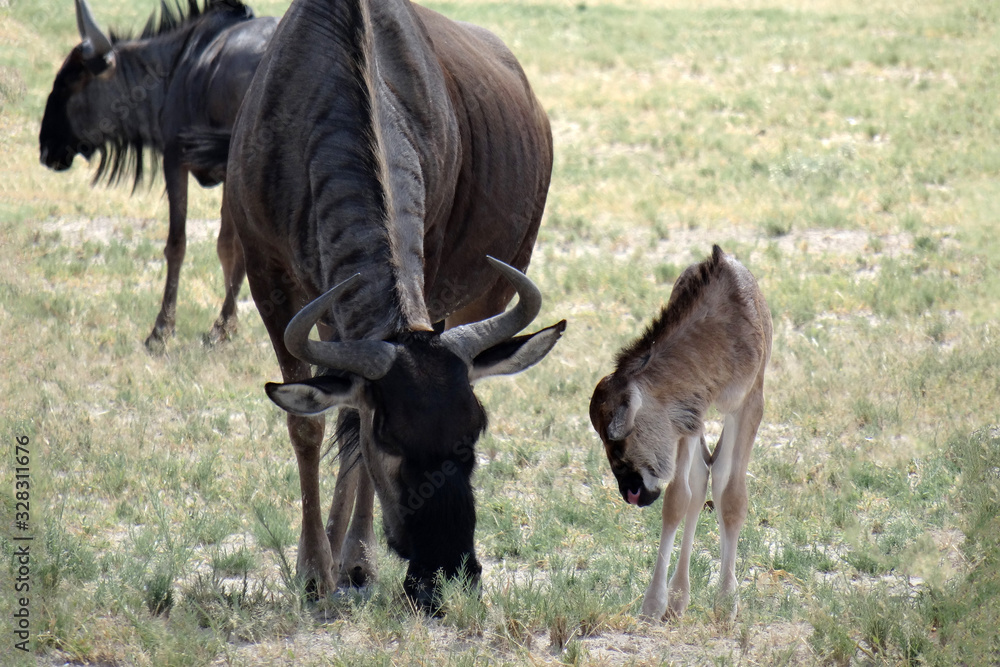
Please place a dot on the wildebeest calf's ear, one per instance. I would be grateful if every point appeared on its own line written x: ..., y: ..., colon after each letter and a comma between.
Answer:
x: 310, y: 397
x: 516, y: 354
x: 623, y: 417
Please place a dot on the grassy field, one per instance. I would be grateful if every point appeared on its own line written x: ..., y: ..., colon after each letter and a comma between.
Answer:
x: 846, y: 152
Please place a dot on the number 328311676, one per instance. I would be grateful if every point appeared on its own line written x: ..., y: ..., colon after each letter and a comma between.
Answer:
x: 22, y: 485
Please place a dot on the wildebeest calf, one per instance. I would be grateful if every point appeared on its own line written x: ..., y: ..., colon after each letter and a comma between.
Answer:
x: 709, y: 346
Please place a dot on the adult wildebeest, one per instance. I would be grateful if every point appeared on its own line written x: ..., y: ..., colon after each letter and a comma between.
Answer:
x: 120, y: 96
x: 382, y: 139
x: 710, y: 345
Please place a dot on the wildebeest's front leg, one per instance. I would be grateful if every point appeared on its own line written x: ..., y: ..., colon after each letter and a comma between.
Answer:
x: 354, y: 490
x: 176, y: 177
x: 315, y: 560
x: 230, y: 252
x: 680, y: 582
x: 677, y: 500
x: 729, y: 489
x: 358, y: 564
x: 277, y: 307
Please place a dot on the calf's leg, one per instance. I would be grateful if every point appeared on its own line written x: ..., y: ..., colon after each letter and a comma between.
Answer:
x: 729, y: 489
x: 676, y: 500
x: 680, y: 583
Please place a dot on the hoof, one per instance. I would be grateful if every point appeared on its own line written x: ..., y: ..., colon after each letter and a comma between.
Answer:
x: 221, y: 332
x: 671, y: 616
x: 356, y: 577
x: 315, y: 588
x: 156, y: 343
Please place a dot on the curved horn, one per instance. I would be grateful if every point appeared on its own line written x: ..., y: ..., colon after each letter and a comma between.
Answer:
x: 88, y: 28
x: 468, y: 340
x: 370, y: 359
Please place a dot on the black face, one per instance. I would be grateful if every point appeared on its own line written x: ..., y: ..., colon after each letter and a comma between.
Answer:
x: 418, y: 423
x: 58, y: 142
x: 424, y: 406
x: 426, y: 413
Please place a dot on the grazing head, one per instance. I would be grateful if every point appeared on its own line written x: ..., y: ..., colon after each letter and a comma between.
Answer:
x: 421, y: 420
x: 643, y: 409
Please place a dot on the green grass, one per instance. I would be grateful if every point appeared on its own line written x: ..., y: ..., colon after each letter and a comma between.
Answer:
x: 845, y: 151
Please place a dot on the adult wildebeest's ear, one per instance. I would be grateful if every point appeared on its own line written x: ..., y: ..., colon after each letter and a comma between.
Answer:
x: 310, y: 397
x: 515, y: 355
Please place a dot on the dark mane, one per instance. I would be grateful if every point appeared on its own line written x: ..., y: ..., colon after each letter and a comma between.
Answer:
x: 686, y: 293
x: 172, y: 18
x: 122, y: 157
x: 119, y: 159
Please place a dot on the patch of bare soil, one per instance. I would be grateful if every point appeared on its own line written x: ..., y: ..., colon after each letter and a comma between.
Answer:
x: 659, y: 644
x: 76, y: 231
x: 685, y: 246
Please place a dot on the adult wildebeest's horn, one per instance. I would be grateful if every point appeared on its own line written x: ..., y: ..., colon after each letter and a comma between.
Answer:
x: 468, y: 340
x: 370, y: 359
x: 89, y: 29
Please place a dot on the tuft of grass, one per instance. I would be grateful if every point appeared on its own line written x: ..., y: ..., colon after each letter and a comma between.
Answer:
x: 158, y: 591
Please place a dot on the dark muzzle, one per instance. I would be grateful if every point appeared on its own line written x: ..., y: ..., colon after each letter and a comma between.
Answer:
x: 633, y: 491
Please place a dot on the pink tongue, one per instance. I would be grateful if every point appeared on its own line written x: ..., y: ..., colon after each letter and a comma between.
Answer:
x: 633, y: 497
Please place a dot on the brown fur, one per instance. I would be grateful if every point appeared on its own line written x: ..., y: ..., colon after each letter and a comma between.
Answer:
x: 384, y: 139
x: 709, y: 345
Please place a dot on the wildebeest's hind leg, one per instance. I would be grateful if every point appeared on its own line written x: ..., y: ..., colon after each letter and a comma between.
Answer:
x: 176, y: 177
x: 351, y: 556
x: 729, y: 491
x: 230, y: 252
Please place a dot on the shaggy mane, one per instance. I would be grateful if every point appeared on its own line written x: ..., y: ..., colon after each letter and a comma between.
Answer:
x: 122, y: 157
x: 686, y: 294
x: 172, y: 18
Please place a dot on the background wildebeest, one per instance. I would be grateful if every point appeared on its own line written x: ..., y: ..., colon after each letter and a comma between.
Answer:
x: 710, y: 345
x: 120, y: 96
x: 383, y: 139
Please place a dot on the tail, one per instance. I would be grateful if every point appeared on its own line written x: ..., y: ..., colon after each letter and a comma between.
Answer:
x: 205, y: 151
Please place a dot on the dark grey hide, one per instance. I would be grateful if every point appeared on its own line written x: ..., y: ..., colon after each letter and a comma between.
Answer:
x: 382, y: 139
x: 119, y: 97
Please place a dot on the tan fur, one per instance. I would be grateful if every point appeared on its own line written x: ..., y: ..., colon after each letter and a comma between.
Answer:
x: 710, y: 345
